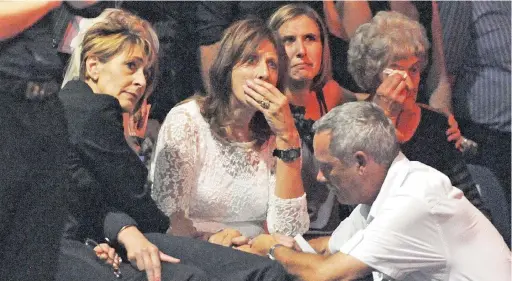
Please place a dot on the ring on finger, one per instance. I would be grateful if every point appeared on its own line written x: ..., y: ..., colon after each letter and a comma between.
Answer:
x: 265, y: 103
x: 384, y: 97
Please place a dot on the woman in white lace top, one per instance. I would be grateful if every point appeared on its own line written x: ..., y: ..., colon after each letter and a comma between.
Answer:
x: 214, y: 166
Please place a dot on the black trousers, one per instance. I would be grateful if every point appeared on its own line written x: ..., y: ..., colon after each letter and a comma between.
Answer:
x: 32, y: 175
x: 199, y: 261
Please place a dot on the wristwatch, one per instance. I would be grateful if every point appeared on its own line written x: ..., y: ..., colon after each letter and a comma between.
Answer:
x: 287, y: 155
x: 272, y: 249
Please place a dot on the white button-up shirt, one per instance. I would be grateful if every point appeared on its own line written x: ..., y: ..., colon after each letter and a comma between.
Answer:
x: 420, y: 227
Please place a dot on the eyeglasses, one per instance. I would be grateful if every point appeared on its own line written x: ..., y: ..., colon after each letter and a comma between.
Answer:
x: 93, y: 244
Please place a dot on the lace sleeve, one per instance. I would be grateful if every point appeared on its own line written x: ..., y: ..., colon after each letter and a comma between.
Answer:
x: 288, y: 216
x: 175, y: 166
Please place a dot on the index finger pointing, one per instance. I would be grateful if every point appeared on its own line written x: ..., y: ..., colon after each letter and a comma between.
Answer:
x: 167, y: 258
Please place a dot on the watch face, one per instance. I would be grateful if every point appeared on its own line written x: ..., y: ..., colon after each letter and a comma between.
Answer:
x: 290, y: 155
x: 293, y: 154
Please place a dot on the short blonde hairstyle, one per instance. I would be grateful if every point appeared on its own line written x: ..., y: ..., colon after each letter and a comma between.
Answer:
x: 388, y: 37
x: 291, y: 11
x: 116, y: 31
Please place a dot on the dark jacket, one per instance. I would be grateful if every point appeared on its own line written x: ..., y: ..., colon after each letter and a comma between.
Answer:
x: 107, y: 189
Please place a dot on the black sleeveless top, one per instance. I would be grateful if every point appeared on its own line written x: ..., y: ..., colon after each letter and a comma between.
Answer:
x: 305, y: 126
x: 316, y: 192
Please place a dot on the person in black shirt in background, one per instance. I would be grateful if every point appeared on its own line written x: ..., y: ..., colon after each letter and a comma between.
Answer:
x: 34, y: 145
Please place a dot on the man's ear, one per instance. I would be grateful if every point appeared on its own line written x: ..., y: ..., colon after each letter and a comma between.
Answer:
x: 361, y: 162
x: 92, y: 68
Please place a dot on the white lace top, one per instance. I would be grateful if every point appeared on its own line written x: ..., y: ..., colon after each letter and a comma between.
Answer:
x: 219, y: 184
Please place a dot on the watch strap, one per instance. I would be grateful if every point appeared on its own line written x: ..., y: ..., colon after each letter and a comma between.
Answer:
x: 287, y: 155
x: 272, y: 250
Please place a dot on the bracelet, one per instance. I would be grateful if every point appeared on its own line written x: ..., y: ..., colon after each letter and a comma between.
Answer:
x: 120, y: 230
x: 272, y: 250
x: 124, y: 227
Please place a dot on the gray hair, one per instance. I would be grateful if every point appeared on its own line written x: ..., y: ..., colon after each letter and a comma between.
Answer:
x: 291, y: 11
x: 359, y: 126
x: 388, y: 37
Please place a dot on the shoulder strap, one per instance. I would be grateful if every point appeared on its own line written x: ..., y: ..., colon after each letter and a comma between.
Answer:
x: 321, y: 102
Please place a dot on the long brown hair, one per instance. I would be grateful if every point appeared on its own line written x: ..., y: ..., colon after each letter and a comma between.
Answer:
x: 240, y: 40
